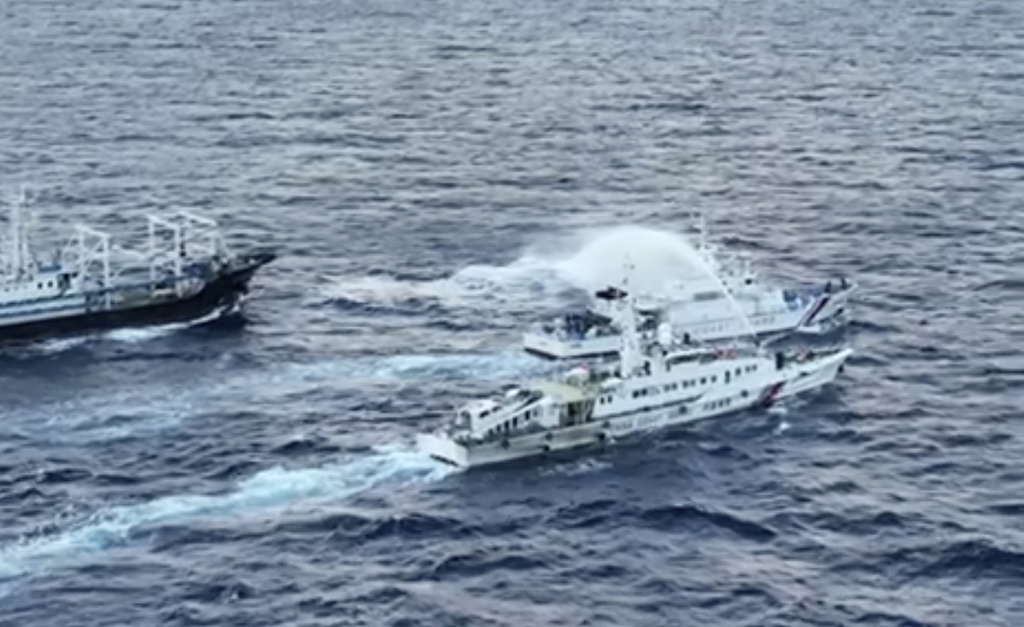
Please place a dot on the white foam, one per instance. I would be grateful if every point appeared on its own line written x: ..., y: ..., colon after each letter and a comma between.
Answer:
x: 586, y: 260
x: 135, y: 335
x: 128, y: 335
x: 59, y: 345
x: 354, y: 371
x: 654, y: 257
x: 584, y: 466
x: 388, y: 291
x: 271, y: 490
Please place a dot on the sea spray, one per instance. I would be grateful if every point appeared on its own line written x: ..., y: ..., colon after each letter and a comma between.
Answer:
x: 582, y: 261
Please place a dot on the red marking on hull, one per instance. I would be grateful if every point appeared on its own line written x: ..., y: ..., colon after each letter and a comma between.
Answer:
x: 808, y: 319
x: 768, y: 398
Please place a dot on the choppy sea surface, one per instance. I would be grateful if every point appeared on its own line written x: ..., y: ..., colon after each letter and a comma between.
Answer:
x: 438, y: 175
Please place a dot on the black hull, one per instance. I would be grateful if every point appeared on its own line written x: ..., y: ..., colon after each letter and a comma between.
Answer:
x: 552, y: 358
x: 221, y: 294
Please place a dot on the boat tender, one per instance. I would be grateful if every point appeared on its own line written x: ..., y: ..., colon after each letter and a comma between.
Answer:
x: 657, y: 381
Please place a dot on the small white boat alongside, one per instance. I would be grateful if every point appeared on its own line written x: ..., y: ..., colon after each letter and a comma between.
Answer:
x: 657, y: 381
x: 725, y: 299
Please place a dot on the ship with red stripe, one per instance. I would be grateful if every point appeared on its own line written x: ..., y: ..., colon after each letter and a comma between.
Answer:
x: 720, y: 297
x: 658, y: 381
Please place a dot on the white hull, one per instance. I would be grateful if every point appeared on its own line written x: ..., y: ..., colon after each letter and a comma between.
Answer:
x: 708, y: 323
x: 710, y: 402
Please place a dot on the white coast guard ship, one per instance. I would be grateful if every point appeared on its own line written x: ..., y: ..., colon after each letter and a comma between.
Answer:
x: 725, y: 299
x: 657, y: 381
x: 183, y: 273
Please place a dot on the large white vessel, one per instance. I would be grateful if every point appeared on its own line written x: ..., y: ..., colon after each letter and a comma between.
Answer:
x: 657, y: 381
x: 724, y: 298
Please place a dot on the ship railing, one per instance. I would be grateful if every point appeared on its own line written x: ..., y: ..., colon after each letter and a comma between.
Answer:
x: 172, y: 249
x: 91, y: 248
x: 184, y: 239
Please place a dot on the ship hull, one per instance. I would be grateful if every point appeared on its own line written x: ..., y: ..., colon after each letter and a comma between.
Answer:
x: 219, y: 295
x: 543, y: 444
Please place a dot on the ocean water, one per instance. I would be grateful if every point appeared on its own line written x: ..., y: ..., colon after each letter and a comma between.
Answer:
x: 438, y: 175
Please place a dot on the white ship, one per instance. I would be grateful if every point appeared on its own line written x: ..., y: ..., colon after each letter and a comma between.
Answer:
x: 725, y: 299
x: 657, y: 381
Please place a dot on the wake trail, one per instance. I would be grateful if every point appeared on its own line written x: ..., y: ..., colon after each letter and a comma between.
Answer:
x: 125, y: 411
x: 271, y: 490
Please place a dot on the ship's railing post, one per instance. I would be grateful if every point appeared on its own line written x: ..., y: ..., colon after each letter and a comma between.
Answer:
x: 151, y: 253
x: 159, y: 260
x: 16, y: 239
x: 18, y: 254
x: 94, y: 247
x: 206, y: 230
x: 82, y: 261
x: 106, y: 269
x: 179, y: 253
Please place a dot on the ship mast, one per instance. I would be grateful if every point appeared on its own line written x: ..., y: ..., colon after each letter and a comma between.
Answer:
x: 629, y: 351
x: 18, y: 258
x: 15, y: 247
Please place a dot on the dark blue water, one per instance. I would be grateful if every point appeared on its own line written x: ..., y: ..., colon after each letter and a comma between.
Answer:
x: 440, y: 174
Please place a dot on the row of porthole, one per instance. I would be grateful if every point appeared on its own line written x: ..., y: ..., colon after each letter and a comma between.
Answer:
x: 653, y: 391
x: 506, y: 426
x: 718, y: 404
x: 671, y: 387
x: 21, y: 289
x: 757, y: 320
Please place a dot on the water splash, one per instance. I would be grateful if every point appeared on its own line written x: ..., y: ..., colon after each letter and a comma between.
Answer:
x: 584, y: 261
x: 274, y: 489
x: 654, y: 259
